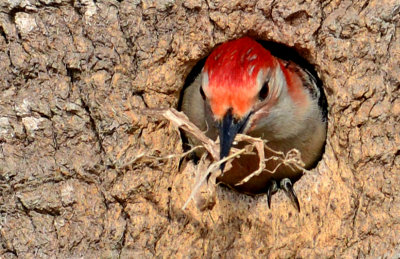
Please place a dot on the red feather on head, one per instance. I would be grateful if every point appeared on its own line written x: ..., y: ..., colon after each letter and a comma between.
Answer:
x: 232, y: 70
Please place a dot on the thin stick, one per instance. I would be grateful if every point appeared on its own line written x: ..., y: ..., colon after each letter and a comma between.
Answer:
x: 213, y: 167
x: 143, y: 155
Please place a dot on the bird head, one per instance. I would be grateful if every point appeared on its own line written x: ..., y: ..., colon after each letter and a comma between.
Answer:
x: 235, y: 83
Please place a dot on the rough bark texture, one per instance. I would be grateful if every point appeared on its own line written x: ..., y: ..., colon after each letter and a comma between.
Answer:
x: 74, y: 76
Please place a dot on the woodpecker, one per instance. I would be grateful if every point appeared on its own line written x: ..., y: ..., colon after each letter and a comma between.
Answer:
x: 243, y: 88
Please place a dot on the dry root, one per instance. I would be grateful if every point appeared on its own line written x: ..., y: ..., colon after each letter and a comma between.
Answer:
x: 203, y: 192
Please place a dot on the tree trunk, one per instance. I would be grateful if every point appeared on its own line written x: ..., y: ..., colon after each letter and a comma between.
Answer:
x: 75, y: 77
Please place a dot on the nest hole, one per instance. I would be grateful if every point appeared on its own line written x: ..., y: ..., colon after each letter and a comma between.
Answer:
x: 280, y: 51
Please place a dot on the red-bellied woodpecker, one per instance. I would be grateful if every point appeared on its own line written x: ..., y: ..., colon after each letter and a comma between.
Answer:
x: 244, y: 89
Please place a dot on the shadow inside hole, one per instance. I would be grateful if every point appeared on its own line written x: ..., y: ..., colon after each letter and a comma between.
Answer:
x: 280, y: 51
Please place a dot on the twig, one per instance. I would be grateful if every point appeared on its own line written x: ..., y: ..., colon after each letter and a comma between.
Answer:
x: 291, y: 159
x: 180, y: 120
x: 143, y: 155
x: 213, y: 167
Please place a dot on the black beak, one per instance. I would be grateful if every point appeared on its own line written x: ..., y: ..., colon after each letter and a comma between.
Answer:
x: 227, y: 132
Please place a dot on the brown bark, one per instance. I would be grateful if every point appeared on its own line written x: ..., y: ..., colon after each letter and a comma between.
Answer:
x: 74, y: 76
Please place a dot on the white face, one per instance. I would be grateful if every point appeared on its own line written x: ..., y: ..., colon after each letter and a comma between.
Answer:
x: 204, y: 83
x: 261, y: 78
x: 267, y: 112
x: 204, y: 78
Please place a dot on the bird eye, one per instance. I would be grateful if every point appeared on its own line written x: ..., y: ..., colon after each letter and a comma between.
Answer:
x: 264, y: 91
x: 202, y: 93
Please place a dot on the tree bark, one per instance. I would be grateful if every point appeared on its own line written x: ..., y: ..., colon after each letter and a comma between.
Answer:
x: 75, y: 76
